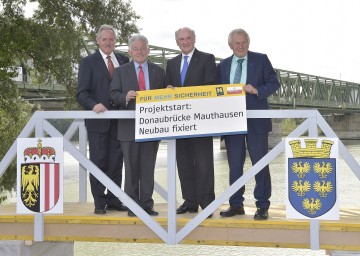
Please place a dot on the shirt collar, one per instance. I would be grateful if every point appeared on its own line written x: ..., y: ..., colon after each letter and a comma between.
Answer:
x: 235, y: 58
x: 103, y: 55
x: 144, y: 65
x: 190, y: 54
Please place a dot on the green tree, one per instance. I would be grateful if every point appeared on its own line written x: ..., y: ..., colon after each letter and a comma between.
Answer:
x: 53, y: 38
x: 52, y: 41
x: 14, y: 113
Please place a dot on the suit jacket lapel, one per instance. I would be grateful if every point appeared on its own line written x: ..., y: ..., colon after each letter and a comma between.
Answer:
x: 193, y: 63
x: 227, y: 68
x: 177, y: 64
x: 120, y: 59
x: 101, y: 64
x: 250, y: 69
x: 151, y: 71
x: 131, y: 76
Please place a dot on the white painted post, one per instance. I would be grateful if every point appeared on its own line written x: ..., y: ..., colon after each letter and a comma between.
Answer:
x: 314, y: 234
x: 39, y: 218
x: 82, y: 170
x: 314, y: 224
x: 39, y: 227
x: 171, y: 161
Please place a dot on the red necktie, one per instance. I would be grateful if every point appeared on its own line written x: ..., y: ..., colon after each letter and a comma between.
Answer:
x: 141, y: 79
x: 110, y: 66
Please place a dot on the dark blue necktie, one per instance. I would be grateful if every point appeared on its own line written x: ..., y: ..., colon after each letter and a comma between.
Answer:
x: 238, y: 71
x: 184, y: 69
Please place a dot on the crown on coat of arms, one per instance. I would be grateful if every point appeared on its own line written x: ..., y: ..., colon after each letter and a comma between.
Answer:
x: 39, y: 153
x: 310, y: 150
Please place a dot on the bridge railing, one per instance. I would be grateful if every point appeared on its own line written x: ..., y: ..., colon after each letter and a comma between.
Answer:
x: 296, y: 90
x: 40, y: 124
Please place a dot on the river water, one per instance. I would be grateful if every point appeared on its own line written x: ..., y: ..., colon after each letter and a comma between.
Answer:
x: 348, y: 187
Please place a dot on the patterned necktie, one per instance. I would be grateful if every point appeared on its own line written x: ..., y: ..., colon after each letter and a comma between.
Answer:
x: 184, y: 69
x: 110, y: 66
x: 238, y: 71
x: 141, y: 79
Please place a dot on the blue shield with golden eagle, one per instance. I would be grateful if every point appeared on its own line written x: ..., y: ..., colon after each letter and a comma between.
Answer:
x: 39, y: 185
x: 312, y: 178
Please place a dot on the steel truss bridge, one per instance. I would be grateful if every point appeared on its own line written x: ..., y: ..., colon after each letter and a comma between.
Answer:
x: 297, y: 90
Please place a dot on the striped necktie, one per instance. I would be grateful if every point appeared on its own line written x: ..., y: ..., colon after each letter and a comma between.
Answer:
x: 237, y: 77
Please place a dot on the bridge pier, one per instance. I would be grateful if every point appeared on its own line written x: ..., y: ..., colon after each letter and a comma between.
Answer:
x: 31, y: 248
x: 275, y: 136
x: 345, y: 125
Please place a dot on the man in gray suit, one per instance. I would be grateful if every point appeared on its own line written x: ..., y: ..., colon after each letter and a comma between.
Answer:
x: 194, y: 156
x: 139, y: 157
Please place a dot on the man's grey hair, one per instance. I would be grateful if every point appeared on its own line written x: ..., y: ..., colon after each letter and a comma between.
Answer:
x: 184, y: 28
x: 105, y: 27
x: 238, y: 31
x: 138, y: 37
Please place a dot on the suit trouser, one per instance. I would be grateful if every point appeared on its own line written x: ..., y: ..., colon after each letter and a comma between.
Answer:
x: 140, y: 160
x: 195, y: 161
x: 236, y: 152
x: 105, y: 152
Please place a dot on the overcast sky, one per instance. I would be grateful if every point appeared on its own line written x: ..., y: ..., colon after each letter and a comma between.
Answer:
x: 317, y: 37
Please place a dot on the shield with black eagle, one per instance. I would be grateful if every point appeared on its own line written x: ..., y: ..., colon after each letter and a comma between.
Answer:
x: 40, y: 178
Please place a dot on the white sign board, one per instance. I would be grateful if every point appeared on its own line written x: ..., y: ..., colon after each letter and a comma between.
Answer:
x: 196, y: 111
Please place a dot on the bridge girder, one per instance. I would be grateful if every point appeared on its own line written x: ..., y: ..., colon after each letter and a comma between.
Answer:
x: 297, y: 90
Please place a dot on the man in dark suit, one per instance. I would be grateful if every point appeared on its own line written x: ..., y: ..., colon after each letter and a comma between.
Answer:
x: 194, y: 156
x: 139, y: 157
x: 260, y: 80
x: 93, y: 94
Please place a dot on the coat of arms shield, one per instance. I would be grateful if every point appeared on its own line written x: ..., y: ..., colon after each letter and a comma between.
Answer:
x: 311, y: 179
x: 39, y: 175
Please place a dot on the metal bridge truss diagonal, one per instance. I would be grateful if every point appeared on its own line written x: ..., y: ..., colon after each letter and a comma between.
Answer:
x: 296, y: 89
x: 302, y: 90
x: 39, y: 123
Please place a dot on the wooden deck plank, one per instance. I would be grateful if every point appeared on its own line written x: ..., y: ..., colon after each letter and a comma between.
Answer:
x: 79, y: 223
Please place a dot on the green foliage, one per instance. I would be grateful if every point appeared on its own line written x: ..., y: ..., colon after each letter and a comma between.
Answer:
x: 288, y: 125
x: 49, y: 45
x: 14, y: 114
x: 52, y: 37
